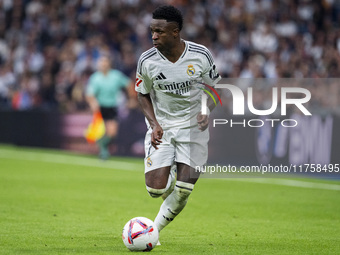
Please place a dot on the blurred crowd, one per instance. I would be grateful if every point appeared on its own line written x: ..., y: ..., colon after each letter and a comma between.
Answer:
x: 48, y: 49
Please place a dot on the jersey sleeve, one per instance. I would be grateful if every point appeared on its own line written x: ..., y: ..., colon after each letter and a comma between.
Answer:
x: 123, y: 80
x: 210, y: 74
x: 91, y: 87
x: 143, y: 82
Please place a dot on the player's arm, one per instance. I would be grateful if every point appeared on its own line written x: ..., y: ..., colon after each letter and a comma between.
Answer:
x: 211, y: 77
x: 147, y: 108
x: 203, y: 120
x: 127, y: 86
x: 90, y: 95
x: 93, y: 103
x: 132, y: 96
x: 143, y: 87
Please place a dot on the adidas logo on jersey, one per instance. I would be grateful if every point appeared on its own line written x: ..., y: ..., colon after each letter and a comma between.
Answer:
x: 160, y: 77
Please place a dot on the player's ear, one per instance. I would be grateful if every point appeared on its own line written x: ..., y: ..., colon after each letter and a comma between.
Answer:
x: 175, y: 32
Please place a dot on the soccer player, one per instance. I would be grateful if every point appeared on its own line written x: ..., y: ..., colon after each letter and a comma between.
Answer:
x: 102, y: 94
x: 169, y: 82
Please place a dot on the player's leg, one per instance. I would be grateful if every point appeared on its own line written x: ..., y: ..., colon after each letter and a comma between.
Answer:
x: 158, y: 164
x: 156, y: 181
x: 189, y: 153
x: 176, y: 201
x: 171, y: 181
x: 111, y: 127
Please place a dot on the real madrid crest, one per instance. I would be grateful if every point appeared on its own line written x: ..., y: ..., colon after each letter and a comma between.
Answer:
x: 191, y: 70
x: 149, y: 162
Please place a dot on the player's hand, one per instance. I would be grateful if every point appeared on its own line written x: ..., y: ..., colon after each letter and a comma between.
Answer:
x: 94, y: 106
x: 203, y: 121
x: 156, y: 136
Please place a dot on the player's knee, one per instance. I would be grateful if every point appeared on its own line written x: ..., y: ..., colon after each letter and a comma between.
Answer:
x: 155, y: 192
x: 183, y: 190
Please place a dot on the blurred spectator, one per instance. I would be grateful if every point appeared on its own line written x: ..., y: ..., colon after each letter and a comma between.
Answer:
x: 48, y: 49
x: 263, y: 39
x: 7, y: 82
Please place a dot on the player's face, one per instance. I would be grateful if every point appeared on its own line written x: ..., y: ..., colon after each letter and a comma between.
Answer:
x: 104, y: 64
x: 163, y: 34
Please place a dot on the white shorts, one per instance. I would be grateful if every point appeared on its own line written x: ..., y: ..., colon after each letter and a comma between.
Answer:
x: 188, y: 146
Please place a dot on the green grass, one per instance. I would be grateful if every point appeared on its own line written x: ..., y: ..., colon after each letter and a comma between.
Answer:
x: 53, y: 202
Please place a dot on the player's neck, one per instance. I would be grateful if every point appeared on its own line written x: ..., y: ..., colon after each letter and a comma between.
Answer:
x: 174, y: 53
x: 105, y: 72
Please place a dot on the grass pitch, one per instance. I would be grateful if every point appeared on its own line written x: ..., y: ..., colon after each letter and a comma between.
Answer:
x: 54, y: 202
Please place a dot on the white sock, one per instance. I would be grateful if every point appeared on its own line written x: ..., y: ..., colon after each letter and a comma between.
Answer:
x: 173, y: 204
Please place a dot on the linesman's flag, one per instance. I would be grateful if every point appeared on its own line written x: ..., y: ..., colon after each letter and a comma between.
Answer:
x: 96, y: 128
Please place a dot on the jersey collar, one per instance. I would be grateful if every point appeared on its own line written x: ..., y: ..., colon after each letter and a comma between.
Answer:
x: 182, y: 56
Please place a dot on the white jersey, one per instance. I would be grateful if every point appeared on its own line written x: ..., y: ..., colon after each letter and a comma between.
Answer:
x: 176, y: 88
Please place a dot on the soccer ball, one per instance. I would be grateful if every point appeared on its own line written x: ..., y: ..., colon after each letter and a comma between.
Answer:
x: 140, y: 234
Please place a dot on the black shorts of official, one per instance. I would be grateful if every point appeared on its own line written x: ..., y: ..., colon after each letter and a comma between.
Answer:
x: 109, y: 113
